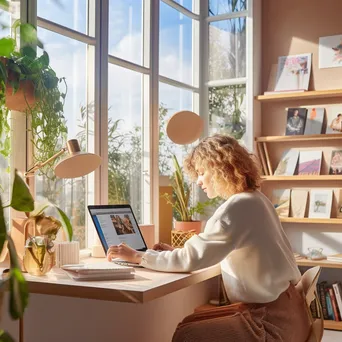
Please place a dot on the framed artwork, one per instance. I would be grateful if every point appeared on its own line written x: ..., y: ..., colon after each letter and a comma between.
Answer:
x: 320, y: 203
x: 296, y: 118
x: 336, y: 163
x: 314, y: 121
x: 281, y: 201
x: 309, y: 163
x: 287, y: 164
x: 330, y: 51
x: 334, y: 119
x: 299, y: 198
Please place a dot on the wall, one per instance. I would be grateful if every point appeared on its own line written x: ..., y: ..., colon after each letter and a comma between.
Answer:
x: 293, y: 27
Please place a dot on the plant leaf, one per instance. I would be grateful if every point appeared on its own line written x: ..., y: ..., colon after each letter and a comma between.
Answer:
x: 4, y: 4
x: 28, y: 33
x: 7, y: 46
x: 3, y: 231
x: 21, y: 197
x: 5, y: 337
x: 29, y: 52
x: 17, y: 285
x: 66, y: 223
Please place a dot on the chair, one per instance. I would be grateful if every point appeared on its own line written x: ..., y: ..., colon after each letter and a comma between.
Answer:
x: 308, y: 285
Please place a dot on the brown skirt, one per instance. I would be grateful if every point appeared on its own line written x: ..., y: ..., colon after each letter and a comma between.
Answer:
x: 283, y: 320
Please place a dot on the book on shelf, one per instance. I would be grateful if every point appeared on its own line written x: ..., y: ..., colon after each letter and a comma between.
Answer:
x: 320, y: 203
x: 321, y: 290
x: 309, y: 163
x: 288, y: 163
x: 299, y: 198
x: 295, y: 123
x: 281, y: 201
x: 293, y: 72
x: 334, y: 304
x: 337, y: 291
x: 314, y: 121
x: 336, y: 163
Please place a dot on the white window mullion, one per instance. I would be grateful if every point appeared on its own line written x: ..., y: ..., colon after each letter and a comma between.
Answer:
x: 226, y: 16
x: 182, y: 9
x: 228, y: 82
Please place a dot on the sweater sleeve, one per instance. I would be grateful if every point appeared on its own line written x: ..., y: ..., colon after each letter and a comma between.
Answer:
x: 200, y: 251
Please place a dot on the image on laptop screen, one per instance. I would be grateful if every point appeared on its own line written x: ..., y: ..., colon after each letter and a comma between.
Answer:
x: 116, y: 224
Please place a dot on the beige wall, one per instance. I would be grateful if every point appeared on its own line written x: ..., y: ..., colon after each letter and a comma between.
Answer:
x: 293, y: 27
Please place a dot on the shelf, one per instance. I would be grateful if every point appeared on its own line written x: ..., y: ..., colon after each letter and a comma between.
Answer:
x: 310, y: 220
x: 312, y: 94
x: 290, y: 138
x: 333, y: 325
x: 322, y: 263
x: 302, y: 178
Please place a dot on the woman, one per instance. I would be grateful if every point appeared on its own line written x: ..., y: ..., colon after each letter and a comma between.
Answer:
x: 245, y: 235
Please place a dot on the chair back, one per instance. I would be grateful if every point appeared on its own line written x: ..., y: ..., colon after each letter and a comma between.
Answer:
x: 308, y: 284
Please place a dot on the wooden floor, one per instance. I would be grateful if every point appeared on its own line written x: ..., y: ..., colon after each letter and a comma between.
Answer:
x: 332, y: 336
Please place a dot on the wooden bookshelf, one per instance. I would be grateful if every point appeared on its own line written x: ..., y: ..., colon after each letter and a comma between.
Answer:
x: 322, y: 263
x: 303, y: 178
x: 310, y: 220
x: 333, y: 325
x: 306, y: 95
x: 290, y: 138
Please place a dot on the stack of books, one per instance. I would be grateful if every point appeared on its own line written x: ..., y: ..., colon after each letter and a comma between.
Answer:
x: 335, y: 258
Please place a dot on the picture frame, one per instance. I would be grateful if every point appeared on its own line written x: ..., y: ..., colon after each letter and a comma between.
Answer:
x: 320, y: 203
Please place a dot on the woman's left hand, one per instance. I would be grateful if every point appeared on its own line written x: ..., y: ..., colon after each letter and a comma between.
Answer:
x: 124, y: 252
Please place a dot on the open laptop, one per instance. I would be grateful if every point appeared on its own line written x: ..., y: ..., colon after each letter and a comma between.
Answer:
x: 115, y: 224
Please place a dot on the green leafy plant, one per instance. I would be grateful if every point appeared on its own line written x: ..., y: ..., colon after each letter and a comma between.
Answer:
x: 23, y: 69
x: 14, y: 281
x: 180, y: 200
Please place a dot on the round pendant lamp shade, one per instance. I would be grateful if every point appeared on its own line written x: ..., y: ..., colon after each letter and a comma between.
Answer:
x: 78, y: 163
x: 184, y: 127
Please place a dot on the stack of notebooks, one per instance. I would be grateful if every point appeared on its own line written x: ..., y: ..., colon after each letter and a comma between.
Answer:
x: 99, y: 271
x: 335, y: 257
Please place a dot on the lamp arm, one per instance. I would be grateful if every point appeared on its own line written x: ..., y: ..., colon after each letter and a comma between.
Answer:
x: 39, y: 165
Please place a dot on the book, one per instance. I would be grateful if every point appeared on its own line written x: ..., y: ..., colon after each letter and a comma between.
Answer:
x: 330, y: 311
x: 293, y: 72
x: 99, y: 271
x: 281, y: 201
x: 309, y: 163
x: 314, y: 121
x: 339, y: 204
x: 288, y: 163
x: 321, y: 289
x: 334, y: 304
x: 335, y: 257
x: 295, y: 123
x: 337, y: 291
x: 336, y: 163
x: 334, y: 119
x: 320, y: 203
x: 299, y: 198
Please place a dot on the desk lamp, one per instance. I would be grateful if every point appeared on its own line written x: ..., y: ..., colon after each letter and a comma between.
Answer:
x: 77, y: 164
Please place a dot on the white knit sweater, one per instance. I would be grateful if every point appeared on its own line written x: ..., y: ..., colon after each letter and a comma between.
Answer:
x: 246, y: 236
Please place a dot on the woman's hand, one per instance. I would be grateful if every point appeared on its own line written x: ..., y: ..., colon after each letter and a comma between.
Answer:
x: 124, y: 252
x: 161, y: 246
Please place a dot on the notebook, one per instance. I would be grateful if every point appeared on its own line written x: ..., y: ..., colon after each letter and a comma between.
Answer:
x: 99, y: 271
x: 115, y: 224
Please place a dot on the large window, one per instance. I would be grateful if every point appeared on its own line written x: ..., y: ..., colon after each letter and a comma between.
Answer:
x: 129, y: 66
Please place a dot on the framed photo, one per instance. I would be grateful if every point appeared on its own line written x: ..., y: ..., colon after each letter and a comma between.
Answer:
x: 330, y: 51
x: 320, y: 203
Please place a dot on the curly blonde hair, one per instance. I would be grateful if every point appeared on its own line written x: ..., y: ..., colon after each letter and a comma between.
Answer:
x: 233, y: 168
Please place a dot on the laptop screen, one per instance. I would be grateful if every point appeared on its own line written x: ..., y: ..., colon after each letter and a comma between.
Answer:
x: 116, y: 224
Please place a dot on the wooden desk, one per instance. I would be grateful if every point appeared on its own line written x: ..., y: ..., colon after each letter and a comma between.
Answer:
x: 147, y: 308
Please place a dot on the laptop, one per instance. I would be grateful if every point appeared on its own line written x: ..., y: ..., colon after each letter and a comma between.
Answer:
x: 116, y: 223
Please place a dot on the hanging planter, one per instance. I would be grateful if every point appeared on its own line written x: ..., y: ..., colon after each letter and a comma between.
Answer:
x: 21, y: 99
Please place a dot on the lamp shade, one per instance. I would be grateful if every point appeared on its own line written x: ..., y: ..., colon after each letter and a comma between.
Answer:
x: 78, y: 163
x: 184, y: 127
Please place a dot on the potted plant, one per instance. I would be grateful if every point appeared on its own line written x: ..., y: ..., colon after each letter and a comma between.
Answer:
x: 180, y: 201
x: 29, y: 84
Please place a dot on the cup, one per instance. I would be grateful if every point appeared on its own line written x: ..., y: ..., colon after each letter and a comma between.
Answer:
x: 67, y: 253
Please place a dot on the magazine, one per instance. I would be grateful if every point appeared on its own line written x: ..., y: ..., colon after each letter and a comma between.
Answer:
x: 293, y: 72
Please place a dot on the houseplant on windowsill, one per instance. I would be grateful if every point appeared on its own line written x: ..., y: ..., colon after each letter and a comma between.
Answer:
x: 28, y: 84
x: 180, y: 201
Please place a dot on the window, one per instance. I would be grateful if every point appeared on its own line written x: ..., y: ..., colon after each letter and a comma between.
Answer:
x: 129, y: 66
x: 228, y: 77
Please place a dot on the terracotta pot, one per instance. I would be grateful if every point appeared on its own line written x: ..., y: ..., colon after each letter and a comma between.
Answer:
x: 190, y: 225
x: 19, y: 100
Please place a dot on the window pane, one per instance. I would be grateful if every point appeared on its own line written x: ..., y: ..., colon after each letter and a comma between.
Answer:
x: 188, y: 4
x: 68, y: 194
x: 125, y: 138
x: 175, y: 45
x: 217, y: 7
x: 171, y: 100
x: 227, y: 49
x: 71, y: 14
x: 125, y: 29
x: 227, y: 110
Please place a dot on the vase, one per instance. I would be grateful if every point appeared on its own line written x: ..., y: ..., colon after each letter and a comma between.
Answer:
x: 39, y: 255
x: 189, y: 226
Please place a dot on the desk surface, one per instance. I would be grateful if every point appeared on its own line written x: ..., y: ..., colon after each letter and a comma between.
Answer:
x: 147, y: 284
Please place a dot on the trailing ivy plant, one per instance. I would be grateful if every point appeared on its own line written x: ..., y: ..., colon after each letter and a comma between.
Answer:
x: 47, y: 121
